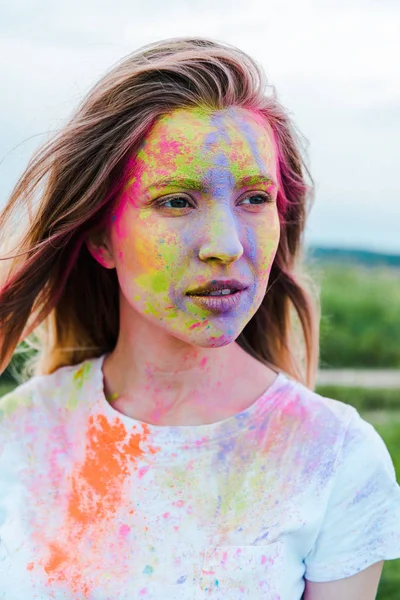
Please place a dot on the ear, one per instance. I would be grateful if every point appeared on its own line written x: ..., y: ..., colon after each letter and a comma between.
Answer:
x: 100, y: 248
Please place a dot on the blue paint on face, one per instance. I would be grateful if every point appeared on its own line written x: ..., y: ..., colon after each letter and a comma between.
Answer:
x: 221, y: 135
x: 220, y: 233
x: 248, y: 133
x: 219, y: 176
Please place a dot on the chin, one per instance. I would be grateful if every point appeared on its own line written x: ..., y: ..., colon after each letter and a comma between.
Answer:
x: 214, y: 341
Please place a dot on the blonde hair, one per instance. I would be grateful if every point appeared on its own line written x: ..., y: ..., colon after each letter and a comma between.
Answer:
x: 57, y: 298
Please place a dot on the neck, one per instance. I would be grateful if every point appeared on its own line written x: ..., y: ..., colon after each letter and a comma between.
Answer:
x: 155, y: 377
x: 157, y: 384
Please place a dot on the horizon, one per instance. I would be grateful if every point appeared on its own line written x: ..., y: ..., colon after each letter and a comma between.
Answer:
x: 339, y: 248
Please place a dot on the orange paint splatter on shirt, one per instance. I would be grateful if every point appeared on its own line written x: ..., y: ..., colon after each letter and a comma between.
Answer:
x: 92, y: 525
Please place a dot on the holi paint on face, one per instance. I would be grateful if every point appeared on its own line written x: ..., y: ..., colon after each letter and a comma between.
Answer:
x: 188, y: 216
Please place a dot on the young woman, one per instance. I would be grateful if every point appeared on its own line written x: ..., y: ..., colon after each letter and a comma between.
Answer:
x: 168, y: 443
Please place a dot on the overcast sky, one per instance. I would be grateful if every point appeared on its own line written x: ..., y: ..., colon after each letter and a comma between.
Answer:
x: 335, y: 65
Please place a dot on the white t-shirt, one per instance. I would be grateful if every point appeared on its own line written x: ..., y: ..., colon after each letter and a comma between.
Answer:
x: 97, y: 505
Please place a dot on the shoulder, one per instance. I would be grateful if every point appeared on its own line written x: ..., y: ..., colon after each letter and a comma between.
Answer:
x: 357, y: 440
x: 318, y: 418
x: 18, y: 401
x: 330, y: 435
x: 42, y: 398
x: 355, y: 473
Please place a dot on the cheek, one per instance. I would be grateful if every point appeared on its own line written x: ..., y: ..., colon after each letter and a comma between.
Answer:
x: 267, y: 237
x: 149, y: 257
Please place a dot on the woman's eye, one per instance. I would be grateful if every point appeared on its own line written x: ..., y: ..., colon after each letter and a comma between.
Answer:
x: 178, y: 202
x: 262, y: 199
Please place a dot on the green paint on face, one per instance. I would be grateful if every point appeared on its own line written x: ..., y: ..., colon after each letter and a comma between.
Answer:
x: 199, y: 234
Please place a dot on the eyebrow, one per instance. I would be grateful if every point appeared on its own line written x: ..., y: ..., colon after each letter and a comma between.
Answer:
x: 198, y: 185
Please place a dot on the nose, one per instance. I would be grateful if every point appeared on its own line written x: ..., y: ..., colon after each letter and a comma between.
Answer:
x: 221, y: 238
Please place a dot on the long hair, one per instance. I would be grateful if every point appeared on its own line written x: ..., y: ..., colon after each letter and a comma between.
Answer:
x: 55, y: 297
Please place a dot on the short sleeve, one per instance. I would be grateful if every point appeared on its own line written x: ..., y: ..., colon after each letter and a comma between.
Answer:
x: 361, y: 525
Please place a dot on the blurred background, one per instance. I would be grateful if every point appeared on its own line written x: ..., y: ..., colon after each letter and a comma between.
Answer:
x: 335, y: 67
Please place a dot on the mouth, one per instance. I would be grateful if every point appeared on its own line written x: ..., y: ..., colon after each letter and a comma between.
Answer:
x: 219, y: 301
x: 227, y: 287
x: 223, y: 292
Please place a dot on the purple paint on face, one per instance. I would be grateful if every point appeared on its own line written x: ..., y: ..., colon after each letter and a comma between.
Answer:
x: 219, y: 174
x: 248, y: 133
x: 167, y: 239
x: 220, y: 135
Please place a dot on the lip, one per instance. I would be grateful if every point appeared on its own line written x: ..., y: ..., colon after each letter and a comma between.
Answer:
x: 216, y: 285
x: 219, y: 304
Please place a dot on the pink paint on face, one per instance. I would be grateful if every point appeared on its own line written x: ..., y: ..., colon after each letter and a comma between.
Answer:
x: 169, y: 238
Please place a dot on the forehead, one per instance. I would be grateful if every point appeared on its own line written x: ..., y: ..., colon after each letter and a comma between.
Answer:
x: 200, y: 139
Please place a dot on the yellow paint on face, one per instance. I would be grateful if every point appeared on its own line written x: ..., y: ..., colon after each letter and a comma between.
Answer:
x: 215, y: 232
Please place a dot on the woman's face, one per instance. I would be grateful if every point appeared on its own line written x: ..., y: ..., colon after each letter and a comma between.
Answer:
x: 215, y: 218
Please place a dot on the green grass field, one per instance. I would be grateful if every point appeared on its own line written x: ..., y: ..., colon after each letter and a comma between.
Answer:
x: 6, y: 387
x: 389, y: 429
x: 360, y: 324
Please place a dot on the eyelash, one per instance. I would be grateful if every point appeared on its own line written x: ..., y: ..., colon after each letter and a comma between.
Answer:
x: 268, y: 199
